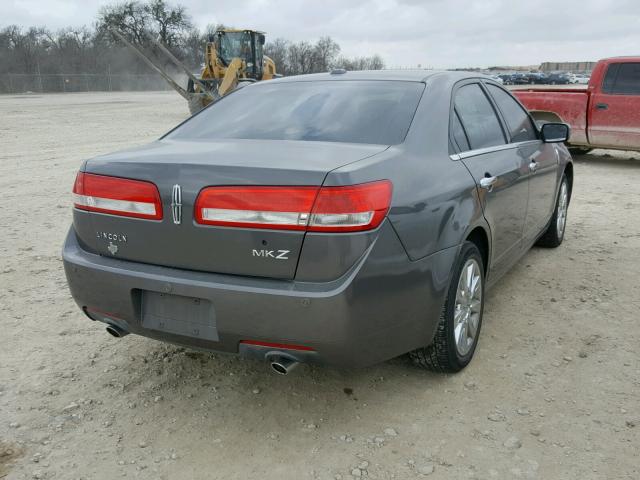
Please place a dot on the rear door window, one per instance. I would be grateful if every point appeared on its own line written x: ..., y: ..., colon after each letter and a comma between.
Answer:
x: 610, y: 78
x: 521, y: 127
x: 622, y: 79
x: 478, y: 117
x: 459, y: 136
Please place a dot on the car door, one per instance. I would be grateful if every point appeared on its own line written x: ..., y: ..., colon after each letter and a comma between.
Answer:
x: 614, y: 117
x: 500, y: 173
x: 541, y: 159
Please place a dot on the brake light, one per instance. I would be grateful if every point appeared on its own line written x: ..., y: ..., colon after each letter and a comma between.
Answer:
x: 352, y: 208
x: 117, y: 196
x: 285, y: 208
x: 318, y: 209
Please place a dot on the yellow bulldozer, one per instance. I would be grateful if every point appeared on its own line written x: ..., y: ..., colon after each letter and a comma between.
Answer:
x: 233, y: 58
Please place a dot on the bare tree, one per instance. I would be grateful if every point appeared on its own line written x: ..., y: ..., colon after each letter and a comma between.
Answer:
x: 278, y: 50
x: 300, y: 58
x: 170, y: 22
x: 325, y: 53
x: 71, y: 50
x: 131, y: 19
x: 374, y: 62
x: 25, y: 47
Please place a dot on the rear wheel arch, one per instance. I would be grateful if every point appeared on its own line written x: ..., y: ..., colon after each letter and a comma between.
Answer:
x: 546, y: 116
x: 479, y: 237
x: 460, y: 318
x: 568, y: 171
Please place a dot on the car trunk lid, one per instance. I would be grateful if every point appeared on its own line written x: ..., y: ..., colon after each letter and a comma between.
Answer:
x: 181, y: 170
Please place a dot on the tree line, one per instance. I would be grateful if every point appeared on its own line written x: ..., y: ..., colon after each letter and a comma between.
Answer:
x: 95, y: 50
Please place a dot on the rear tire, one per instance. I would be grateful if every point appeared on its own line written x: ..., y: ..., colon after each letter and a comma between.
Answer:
x: 554, y: 234
x: 458, y: 330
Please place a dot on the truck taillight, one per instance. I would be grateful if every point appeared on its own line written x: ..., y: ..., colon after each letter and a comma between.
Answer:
x: 316, y: 209
x: 117, y: 196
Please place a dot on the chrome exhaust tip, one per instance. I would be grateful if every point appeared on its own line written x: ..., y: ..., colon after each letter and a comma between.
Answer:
x: 282, y: 365
x: 116, y: 331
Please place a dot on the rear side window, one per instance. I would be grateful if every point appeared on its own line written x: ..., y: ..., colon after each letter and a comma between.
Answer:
x: 478, y: 117
x: 610, y: 78
x: 378, y: 112
x: 521, y: 127
x: 622, y: 79
x: 458, y: 134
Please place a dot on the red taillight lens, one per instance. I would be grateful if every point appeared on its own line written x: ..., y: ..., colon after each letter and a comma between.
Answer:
x: 117, y: 196
x: 352, y: 208
x: 327, y: 209
x: 284, y: 208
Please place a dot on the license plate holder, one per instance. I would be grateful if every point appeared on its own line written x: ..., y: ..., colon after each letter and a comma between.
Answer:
x: 179, y: 315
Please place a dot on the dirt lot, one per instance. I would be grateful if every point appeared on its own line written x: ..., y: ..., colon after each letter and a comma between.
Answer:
x: 553, y: 393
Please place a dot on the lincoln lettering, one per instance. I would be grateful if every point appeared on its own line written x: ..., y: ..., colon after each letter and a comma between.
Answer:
x: 115, y: 237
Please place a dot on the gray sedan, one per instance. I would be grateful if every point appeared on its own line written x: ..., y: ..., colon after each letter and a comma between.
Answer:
x: 342, y: 218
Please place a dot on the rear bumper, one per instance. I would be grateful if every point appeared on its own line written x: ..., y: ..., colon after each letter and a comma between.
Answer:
x: 384, y: 306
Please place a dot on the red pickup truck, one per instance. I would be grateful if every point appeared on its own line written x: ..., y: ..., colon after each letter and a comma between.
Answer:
x: 604, y: 115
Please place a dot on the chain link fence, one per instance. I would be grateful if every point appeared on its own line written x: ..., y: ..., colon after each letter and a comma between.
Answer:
x: 79, y: 82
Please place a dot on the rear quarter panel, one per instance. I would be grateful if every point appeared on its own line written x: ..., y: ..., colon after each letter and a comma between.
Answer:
x: 435, y: 202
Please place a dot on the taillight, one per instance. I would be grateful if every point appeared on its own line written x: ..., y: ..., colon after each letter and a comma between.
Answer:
x: 317, y: 209
x: 256, y: 207
x: 352, y: 208
x: 117, y: 196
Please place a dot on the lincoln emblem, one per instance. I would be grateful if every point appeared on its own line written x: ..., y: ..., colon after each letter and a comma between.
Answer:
x: 176, y: 204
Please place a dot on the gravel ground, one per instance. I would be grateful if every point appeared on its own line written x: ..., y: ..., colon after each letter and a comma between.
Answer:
x: 553, y: 393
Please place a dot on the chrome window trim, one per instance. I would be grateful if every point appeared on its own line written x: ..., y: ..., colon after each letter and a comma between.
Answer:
x: 496, y: 148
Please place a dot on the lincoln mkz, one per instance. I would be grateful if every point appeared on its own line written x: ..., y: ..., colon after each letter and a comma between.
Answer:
x: 342, y: 218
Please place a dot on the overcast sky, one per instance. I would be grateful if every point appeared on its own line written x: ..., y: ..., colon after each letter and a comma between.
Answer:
x: 432, y: 33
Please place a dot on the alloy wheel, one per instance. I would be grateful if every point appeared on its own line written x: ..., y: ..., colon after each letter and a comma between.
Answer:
x: 563, y: 204
x: 468, y: 306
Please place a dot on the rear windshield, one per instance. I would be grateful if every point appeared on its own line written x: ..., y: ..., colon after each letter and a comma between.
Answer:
x: 378, y: 112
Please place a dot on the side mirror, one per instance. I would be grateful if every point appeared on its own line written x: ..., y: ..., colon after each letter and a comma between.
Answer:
x: 261, y: 39
x: 555, y: 132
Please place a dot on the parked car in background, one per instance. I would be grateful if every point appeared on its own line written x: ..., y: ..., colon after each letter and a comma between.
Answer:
x: 584, y: 79
x: 604, y: 115
x: 342, y: 218
x: 558, y: 79
x: 578, y: 78
x: 498, y: 79
x: 519, y: 79
x: 537, y: 78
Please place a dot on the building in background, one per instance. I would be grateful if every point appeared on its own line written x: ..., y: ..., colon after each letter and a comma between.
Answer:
x: 575, y: 67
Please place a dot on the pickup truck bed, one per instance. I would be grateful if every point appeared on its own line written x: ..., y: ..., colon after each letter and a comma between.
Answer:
x: 567, y: 105
x: 604, y: 115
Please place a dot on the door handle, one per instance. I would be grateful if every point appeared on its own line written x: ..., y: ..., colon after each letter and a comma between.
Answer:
x: 602, y: 106
x: 533, y: 166
x: 488, y: 182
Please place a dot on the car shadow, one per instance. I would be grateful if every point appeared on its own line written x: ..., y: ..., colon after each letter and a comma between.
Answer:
x: 617, y: 159
x: 179, y: 374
